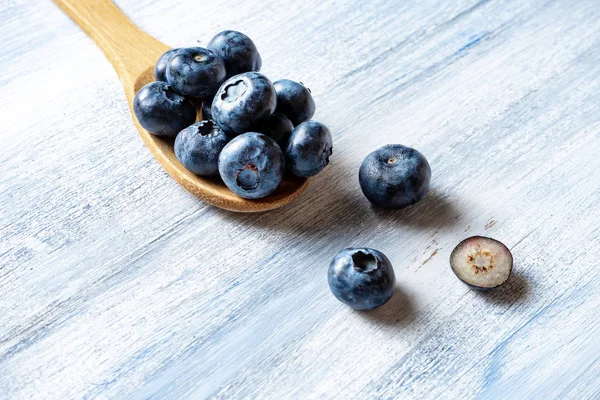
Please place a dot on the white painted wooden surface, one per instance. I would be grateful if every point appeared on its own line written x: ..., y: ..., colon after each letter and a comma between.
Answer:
x: 116, y: 283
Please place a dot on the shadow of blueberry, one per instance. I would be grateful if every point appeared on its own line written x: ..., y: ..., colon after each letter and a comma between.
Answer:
x: 434, y: 211
x: 399, y: 310
x: 516, y: 289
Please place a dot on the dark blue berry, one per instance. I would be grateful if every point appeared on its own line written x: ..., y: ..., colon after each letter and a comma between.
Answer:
x: 198, y: 147
x: 195, y: 72
x: 395, y: 176
x: 251, y: 165
x: 160, y: 69
x: 362, y: 278
x: 244, y: 101
x: 294, y: 101
x: 237, y: 51
x: 162, y: 111
x: 206, y: 108
x: 308, y: 149
x: 278, y: 127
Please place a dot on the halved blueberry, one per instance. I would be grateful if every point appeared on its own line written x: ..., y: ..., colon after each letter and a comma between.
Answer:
x: 481, y: 262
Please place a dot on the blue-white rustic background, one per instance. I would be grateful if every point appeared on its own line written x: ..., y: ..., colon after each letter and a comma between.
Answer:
x: 116, y: 283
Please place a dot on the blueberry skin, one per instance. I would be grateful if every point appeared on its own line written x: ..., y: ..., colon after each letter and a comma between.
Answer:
x: 294, y: 101
x: 196, y: 72
x: 278, y: 127
x: 198, y: 147
x: 237, y: 51
x: 206, y: 108
x: 308, y: 149
x: 362, y: 278
x: 252, y: 165
x: 244, y: 101
x: 162, y: 111
x: 394, y: 176
x: 160, y: 69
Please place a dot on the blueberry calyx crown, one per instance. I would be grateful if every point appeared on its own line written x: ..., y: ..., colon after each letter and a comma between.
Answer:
x: 206, y: 128
x: 171, y: 94
x: 364, y: 262
x: 247, y: 177
x: 234, y: 91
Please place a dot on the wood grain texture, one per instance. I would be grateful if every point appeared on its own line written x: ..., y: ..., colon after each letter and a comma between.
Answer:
x: 116, y: 283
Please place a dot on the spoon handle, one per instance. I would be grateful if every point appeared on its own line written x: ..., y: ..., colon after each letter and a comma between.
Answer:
x: 129, y: 49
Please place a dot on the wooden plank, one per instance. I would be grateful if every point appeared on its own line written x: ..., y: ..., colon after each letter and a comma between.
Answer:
x: 114, y: 289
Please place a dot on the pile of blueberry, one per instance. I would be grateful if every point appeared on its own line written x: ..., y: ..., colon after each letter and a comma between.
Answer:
x: 252, y: 130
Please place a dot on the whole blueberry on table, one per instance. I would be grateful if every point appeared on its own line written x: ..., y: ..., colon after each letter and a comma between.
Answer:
x: 195, y: 71
x: 243, y: 101
x: 308, y: 149
x: 278, y: 127
x: 394, y: 176
x: 198, y: 147
x: 161, y: 110
x: 237, y: 51
x: 362, y: 278
x: 294, y: 100
x: 251, y: 165
x: 160, y: 69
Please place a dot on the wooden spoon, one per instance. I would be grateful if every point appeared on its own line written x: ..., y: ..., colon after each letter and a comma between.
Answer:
x: 133, y: 54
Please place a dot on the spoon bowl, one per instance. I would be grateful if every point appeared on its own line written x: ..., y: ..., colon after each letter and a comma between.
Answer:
x: 133, y: 53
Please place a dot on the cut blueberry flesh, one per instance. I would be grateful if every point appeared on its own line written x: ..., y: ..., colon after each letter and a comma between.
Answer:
x: 251, y: 165
x: 294, y: 100
x: 198, y: 147
x: 196, y: 72
x: 160, y: 69
x: 481, y: 262
x: 394, y: 176
x: 162, y: 111
x: 362, y: 278
x: 237, y: 51
x: 308, y: 149
x: 242, y: 102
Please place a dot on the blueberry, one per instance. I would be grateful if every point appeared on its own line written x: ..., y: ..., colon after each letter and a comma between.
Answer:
x: 244, y: 101
x: 237, y: 50
x: 162, y: 111
x: 160, y: 69
x: 308, y: 149
x: 362, y: 278
x: 251, y: 165
x: 394, y: 176
x: 196, y: 72
x: 294, y: 101
x: 482, y: 263
x: 278, y: 127
x: 198, y: 147
x: 206, y: 108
